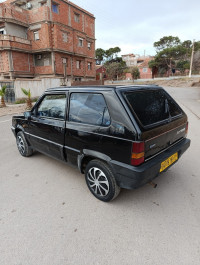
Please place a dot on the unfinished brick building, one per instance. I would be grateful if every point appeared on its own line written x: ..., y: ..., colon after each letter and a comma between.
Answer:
x: 46, y: 38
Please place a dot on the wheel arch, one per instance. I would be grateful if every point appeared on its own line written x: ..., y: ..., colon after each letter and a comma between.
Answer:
x: 89, y: 155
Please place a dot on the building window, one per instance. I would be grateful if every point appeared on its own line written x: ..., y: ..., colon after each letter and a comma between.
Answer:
x: 144, y: 70
x: 80, y: 42
x: 76, y: 17
x: 65, y: 61
x: 64, y: 36
x: 78, y: 64
x: 89, y: 45
x: 55, y: 8
x: 89, y: 66
x: 36, y: 35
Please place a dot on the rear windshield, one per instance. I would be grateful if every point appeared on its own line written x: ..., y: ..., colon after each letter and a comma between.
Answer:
x: 152, y: 107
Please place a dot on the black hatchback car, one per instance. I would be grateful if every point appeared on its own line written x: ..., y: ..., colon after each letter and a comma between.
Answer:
x: 119, y: 137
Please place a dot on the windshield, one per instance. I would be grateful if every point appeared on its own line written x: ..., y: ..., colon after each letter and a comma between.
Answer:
x: 151, y: 107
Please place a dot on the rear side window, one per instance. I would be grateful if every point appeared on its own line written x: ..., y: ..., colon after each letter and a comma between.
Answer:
x: 151, y: 107
x: 89, y: 108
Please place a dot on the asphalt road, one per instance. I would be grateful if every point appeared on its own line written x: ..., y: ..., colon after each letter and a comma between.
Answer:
x: 48, y: 216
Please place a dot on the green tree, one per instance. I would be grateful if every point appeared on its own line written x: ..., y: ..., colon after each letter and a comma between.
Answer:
x: 114, y: 69
x: 169, y: 51
x: 135, y: 72
x: 183, y: 65
x: 166, y: 42
x: 107, y: 55
x: 28, y: 100
x: 100, y: 53
x: 2, y: 94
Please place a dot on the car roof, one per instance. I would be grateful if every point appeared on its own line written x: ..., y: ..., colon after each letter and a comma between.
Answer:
x: 102, y: 88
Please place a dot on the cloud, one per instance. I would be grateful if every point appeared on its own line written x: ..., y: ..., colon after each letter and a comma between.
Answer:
x: 135, y: 25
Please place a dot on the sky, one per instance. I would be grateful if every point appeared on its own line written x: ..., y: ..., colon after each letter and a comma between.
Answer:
x: 135, y: 25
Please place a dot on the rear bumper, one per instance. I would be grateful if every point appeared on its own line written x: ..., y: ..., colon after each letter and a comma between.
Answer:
x: 130, y: 177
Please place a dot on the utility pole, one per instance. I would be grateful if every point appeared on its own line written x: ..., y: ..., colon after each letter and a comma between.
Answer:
x: 191, y: 61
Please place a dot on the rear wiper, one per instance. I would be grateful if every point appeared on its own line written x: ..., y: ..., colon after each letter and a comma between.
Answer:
x: 166, y: 106
x: 167, y: 109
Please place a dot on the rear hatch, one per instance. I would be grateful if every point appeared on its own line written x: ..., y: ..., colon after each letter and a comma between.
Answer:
x: 160, y: 119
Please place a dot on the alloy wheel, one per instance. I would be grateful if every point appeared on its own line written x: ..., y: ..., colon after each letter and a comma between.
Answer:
x: 98, y: 181
x: 20, y: 144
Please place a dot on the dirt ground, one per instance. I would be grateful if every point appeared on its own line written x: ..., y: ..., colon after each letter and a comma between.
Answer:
x: 183, y: 82
x: 12, y: 109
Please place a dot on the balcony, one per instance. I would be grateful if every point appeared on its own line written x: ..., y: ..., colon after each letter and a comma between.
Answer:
x: 8, y: 42
x: 13, y: 14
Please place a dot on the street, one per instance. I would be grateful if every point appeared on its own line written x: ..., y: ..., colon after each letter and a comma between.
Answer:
x: 49, y: 217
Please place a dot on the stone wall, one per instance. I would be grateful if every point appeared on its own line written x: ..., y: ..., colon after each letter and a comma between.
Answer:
x: 37, y: 86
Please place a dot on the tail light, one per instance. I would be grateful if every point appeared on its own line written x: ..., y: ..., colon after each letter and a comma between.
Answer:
x: 137, y: 155
x: 186, y: 129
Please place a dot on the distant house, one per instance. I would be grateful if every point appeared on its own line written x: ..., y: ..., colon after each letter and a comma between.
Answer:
x: 100, y: 72
x: 141, y: 62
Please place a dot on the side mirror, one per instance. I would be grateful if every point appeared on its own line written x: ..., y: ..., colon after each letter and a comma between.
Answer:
x: 27, y: 115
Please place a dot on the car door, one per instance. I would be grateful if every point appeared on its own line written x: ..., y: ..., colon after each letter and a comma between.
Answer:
x: 47, y: 125
x: 88, y: 113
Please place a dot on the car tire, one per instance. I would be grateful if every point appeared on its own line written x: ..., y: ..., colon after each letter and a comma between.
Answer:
x: 22, y: 145
x: 101, y: 181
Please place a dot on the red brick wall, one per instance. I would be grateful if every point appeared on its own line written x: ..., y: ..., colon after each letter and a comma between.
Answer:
x: 51, y: 36
x: 22, y: 62
x: 4, y: 61
x: 59, y: 63
x: 44, y: 35
x: 79, y: 72
x: 89, y: 26
x: 90, y: 73
x: 43, y: 70
x: 62, y: 15
x: 38, y: 14
x: 9, y: 11
x: 58, y: 38
x: 145, y: 75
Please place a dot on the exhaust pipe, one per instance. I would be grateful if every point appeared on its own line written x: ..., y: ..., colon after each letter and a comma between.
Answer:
x: 154, y: 185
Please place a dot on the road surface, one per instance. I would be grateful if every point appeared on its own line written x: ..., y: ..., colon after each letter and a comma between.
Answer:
x: 48, y: 216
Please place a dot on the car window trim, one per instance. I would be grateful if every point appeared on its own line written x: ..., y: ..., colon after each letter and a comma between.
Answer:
x: 81, y: 123
x: 49, y: 94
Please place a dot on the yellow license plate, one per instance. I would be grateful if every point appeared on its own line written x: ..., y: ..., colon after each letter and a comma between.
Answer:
x: 168, y: 162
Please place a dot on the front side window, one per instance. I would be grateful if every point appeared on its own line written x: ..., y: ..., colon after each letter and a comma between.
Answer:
x: 52, y: 106
x: 89, y: 108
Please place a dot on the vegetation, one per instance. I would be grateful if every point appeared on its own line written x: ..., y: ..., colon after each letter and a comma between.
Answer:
x: 113, y: 64
x: 28, y: 99
x: 24, y: 100
x: 106, y: 55
x: 172, y: 54
x: 2, y: 94
x: 135, y: 72
x: 114, y: 69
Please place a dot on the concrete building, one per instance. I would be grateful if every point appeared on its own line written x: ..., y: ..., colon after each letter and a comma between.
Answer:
x: 141, y: 62
x: 46, y: 38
